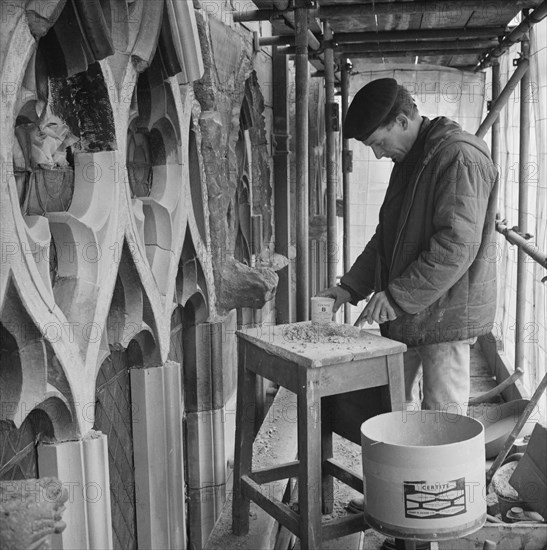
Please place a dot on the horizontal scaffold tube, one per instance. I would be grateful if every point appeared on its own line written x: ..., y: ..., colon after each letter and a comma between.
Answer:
x: 516, y: 35
x: 503, y: 98
x: 441, y: 8
x: 526, y: 246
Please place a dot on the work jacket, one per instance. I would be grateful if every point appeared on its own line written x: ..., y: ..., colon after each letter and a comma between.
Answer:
x: 441, y: 277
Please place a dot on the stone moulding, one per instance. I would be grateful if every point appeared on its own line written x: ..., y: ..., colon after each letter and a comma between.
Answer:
x: 161, y: 213
x: 184, y: 29
x: 39, y: 237
x: 82, y: 239
x: 25, y: 384
x: 158, y: 453
x: 85, y: 223
x: 84, y: 467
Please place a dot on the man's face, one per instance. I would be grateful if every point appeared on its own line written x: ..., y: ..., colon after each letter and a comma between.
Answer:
x: 389, y: 141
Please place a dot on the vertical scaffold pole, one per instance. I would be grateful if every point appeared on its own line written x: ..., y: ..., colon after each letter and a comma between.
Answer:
x: 524, y: 148
x: 332, y: 180
x: 302, y: 172
x: 346, y: 169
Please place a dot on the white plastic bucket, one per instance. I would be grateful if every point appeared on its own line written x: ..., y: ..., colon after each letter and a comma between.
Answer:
x: 424, y: 474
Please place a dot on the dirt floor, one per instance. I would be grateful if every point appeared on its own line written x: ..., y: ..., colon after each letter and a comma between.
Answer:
x: 348, y: 454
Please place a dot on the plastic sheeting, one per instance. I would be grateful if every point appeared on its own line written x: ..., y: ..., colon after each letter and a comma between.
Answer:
x: 438, y: 91
x: 536, y: 291
x: 460, y: 95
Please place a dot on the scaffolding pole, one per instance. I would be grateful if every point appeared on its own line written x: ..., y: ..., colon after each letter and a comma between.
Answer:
x: 517, y: 34
x: 495, y: 145
x: 391, y: 9
x: 384, y: 36
x: 346, y: 169
x: 331, y: 120
x: 302, y: 173
x: 514, y: 236
x: 524, y: 149
x: 418, y: 34
x: 452, y: 46
x: 282, y: 184
x: 503, y: 97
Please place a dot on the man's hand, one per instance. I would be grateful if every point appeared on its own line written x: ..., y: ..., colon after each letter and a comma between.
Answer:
x: 340, y: 295
x: 378, y: 310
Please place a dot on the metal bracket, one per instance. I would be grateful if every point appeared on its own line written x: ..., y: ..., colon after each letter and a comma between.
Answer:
x: 280, y: 144
x: 333, y: 122
x: 347, y: 160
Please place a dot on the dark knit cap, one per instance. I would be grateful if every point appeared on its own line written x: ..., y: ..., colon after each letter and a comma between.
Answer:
x: 369, y: 108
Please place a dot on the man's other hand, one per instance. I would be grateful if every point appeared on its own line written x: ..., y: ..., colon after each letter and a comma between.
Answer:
x: 378, y: 310
x: 339, y: 294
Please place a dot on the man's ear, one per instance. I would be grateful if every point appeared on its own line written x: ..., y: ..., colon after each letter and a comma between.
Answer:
x: 402, y: 120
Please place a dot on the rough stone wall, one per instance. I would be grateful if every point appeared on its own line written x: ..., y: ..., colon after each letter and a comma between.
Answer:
x: 228, y: 80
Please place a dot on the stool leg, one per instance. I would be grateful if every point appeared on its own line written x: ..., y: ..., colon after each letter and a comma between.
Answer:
x: 396, y: 381
x: 243, y: 452
x: 309, y: 456
x: 327, y: 481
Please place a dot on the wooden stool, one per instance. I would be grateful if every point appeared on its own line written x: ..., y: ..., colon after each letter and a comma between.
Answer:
x: 331, y: 366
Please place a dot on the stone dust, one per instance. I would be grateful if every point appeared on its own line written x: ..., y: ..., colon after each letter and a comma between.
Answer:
x: 315, y: 333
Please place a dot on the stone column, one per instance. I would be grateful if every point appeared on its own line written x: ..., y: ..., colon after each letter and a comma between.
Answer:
x: 66, y: 461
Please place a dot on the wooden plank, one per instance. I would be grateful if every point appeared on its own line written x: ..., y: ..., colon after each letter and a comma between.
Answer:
x: 443, y: 10
x: 336, y: 469
x: 279, y: 511
x: 336, y: 379
x: 267, y: 475
x: 481, y: 385
x: 501, y: 366
x: 270, y: 366
x: 513, y: 536
x: 342, y: 526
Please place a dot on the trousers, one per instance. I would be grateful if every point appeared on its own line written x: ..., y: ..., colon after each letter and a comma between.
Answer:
x: 437, y: 376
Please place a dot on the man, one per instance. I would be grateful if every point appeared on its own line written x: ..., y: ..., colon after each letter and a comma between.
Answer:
x: 430, y: 265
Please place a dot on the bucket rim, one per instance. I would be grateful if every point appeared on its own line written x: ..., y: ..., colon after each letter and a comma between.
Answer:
x: 374, y: 441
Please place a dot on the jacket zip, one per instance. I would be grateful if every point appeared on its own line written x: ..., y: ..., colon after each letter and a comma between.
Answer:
x: 437, y: 149
x: 399, y: 234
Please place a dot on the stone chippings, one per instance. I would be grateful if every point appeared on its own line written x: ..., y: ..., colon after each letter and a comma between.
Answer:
x: 315, y: 333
